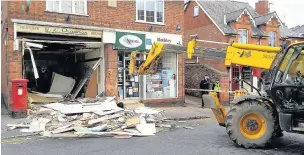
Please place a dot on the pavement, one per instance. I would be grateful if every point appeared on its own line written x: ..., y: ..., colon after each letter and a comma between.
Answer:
x: 191, y: 109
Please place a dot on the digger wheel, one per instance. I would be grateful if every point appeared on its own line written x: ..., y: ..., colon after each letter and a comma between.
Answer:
x: 250, y: 124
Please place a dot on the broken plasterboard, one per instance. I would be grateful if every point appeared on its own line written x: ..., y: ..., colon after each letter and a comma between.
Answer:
x: 146, y: 128
x: 61, y: 84
x: 37, y: 125
x: 107, y: 117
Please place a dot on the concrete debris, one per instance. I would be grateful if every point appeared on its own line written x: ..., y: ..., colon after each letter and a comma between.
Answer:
x: 93, y: 117
x: 146, y: 128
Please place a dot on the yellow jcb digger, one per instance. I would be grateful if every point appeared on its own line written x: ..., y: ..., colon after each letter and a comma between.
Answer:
x: 254, y: 120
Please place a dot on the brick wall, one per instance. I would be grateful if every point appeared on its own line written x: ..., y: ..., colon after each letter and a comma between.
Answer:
x: 224, y: 83
x: 99, y: 14
x: 111, y: 70
x: 214, y: 63
x: 194, y: 73
x: 202, y: 26
x: 4, y: 87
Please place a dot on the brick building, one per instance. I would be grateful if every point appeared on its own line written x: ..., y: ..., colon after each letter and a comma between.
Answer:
x: 227, y: 21
x: 78, y: 33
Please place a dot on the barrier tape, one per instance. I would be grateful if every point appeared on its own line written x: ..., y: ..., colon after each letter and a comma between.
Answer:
x: 209, y: 90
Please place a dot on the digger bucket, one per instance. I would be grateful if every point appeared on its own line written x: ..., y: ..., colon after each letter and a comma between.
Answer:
x: 212, y: 101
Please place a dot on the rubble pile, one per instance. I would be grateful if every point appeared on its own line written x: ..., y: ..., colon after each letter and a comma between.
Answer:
x: 91, y: 117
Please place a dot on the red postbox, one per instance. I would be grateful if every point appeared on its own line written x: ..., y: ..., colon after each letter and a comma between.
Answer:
x: 19, y: 97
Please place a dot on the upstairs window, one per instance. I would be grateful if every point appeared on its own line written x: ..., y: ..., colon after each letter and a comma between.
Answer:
x: 67, y: 6
x: 195, y: 11
x: 150, y: 11
x: 243, y: 36
x: 272, y: 39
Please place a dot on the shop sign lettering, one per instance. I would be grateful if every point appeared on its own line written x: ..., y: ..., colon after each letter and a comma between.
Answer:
x: 164, y: 40
x: 58, y: 31
x: 130, y: 41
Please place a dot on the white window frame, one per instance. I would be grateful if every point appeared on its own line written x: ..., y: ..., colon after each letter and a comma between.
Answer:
x: 270, y: 38
x: 195, y: 11
x: 73, y: 8
x: 240, y: 33
x: 155, y: 14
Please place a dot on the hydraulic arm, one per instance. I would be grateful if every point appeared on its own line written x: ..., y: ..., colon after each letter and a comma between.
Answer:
x: 242, y: 54
x: 149, y: 66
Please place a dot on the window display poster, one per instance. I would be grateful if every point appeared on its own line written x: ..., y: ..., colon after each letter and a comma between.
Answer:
x: 164, y: 78
x: 156, y: 76
x: 172, y: 87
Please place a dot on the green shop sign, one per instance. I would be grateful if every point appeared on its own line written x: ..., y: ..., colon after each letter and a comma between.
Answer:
x: 130, y: 41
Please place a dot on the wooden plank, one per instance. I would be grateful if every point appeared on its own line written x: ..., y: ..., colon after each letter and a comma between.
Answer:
x: 107, y: 117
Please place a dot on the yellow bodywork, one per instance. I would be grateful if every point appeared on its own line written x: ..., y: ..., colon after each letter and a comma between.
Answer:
x: 150, y: 64
x: 251, y: 55
x: 218, y: 110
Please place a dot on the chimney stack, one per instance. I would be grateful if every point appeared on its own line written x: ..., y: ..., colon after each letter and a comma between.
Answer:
x: 262, y: 7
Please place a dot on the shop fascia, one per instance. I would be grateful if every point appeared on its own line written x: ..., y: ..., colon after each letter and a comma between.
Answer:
x: 150, y: 37
x: 163, y: 38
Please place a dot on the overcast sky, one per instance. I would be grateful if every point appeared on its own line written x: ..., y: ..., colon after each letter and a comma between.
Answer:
x: 290, y: 11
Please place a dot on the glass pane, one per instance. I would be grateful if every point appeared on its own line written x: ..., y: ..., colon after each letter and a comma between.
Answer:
x: 163, y: 84
x: 243, y: 35
x: 140, y: 9
x: 160, y: 10
x: 56, y: 6
x: 286, y: 59
x: 297, y: 65
x: 150, y: 10
x: 50, y: 5
x: 79, y: 6
x: 67, y: 6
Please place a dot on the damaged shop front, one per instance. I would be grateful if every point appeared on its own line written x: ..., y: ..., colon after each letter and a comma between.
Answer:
x: 61, y: 62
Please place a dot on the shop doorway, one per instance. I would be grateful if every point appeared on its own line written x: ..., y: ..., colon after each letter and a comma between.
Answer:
x: 235, y: 74
x: 130, y: 87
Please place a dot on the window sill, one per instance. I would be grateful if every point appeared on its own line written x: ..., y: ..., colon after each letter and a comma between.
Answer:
x: 143, y: 22
x: 75, y: 14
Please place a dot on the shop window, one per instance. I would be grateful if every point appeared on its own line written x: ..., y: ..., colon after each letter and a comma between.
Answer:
x: 151, y: 11
x: 128, y: 85
x: 67, y: 6
x: 195, y: 11
x: 163, y: 84
x: 243, y: 36
x: 272, y: 39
